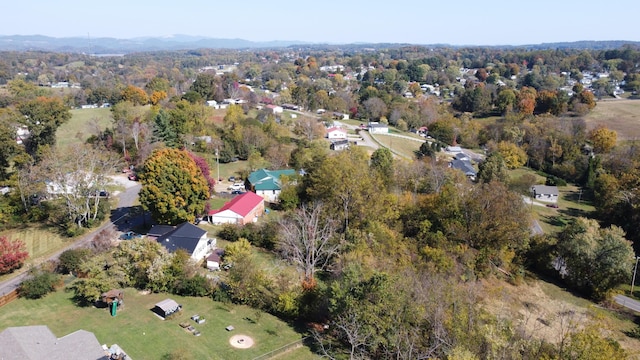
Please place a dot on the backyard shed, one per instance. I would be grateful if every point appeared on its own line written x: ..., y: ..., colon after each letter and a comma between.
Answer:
x: 167, y: 307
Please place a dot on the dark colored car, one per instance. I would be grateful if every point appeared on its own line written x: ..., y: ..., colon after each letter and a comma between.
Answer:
x: 555, y: 206
x: 130, y: 235
x: 133, y: 177
x: 232, y: 178
x: 236, y: 192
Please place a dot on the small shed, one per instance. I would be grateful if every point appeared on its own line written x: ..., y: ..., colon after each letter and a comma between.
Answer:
x: 167, y: 307
x: 214, y: 260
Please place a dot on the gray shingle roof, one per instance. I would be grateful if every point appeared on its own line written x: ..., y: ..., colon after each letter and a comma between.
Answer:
x: 544, y: 189
x: 185, y: 236
x: 38, y: 342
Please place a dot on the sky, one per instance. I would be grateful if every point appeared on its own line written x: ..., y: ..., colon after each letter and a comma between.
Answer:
x: 455, y: 22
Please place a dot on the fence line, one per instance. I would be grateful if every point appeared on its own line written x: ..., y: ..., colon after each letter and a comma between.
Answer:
x: 271, y: 354
x: 9, y: 297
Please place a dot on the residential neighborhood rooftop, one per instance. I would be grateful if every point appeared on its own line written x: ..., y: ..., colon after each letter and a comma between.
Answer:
x: 38, y: 342
x: 184, y: 236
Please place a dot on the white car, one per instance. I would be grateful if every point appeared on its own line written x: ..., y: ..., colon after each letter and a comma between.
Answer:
x: 236, y: 186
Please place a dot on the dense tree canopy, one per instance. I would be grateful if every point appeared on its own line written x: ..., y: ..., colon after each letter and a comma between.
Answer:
x: 174, y: 189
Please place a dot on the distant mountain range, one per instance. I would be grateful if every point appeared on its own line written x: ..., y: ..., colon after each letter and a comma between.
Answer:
x: 113, y: 45
x: 187, y: 42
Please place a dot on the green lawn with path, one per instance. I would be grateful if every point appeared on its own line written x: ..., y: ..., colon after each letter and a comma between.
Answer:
x: 143, y: 335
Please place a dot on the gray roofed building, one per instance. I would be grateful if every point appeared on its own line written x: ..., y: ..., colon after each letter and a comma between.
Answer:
x: 464, y: 166
x: 159, y: 230
x: 188, y: 237
x: 167, y: 307
x: 545, y: 193
x: 38, y: 342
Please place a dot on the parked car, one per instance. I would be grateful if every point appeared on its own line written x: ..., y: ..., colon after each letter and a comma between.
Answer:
x: 237, y: 192
x: 130, y: 235
x: 555, y: 206
x: 232, y: 178
x: 133, y: 177
x: 236, y: 186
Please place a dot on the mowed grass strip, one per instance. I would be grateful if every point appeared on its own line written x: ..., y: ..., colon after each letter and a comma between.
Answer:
x: 402, y: 146
x: 143, y: 335
x: 82, y: 125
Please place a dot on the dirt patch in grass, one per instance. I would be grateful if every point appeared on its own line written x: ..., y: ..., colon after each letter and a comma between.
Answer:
x: 623, y: 116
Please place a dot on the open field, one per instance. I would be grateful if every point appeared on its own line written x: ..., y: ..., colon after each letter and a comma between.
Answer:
x: 82, y: 125
x: 143, y: 335
x: 404, y: 147
x: 623, y: 116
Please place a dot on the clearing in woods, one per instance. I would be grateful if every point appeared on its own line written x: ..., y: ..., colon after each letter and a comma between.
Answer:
x: 623, y: 116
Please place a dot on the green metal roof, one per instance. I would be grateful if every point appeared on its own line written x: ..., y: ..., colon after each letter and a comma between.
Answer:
x: 264, y: 179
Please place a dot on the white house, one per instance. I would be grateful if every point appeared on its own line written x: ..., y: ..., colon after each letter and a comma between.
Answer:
x: 377, y: 128
x: 267, y: 183
x: 243, y: 209
x: 188, y: 237
x: 336, y: 133
x: 275, y: 109
x: 545, y: 193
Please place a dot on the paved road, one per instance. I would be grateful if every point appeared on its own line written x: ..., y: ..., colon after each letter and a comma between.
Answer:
x: 119, y: 218
x: 627, y: 302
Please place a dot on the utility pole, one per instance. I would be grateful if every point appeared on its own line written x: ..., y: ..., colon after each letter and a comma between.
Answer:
x: 633, y: 280
x: 218, y: 163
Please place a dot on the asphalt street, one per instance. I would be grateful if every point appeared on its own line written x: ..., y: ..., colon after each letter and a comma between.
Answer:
x: 120, y: 218
x: 627, y: 302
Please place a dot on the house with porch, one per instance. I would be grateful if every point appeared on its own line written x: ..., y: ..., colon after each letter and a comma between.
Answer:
x: 545, y: 193
x: 336, y: 133
x: 242, y: 209
x: 378, y: 128
x: 268, y: 183
x: 337, y: 145
x: 188, y: 237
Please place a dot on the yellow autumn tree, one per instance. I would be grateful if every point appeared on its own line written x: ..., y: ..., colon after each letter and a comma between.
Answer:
x: 135, y: 94
x: 603, y: 139
x: 157, y: 96
x: 174, y: 189
x: 513, y: 156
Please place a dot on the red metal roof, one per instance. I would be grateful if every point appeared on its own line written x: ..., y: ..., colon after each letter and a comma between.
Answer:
x: 241, y: 204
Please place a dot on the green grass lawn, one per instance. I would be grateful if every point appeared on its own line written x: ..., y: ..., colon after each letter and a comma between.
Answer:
x: 406, y: 148
x: 81, y: 125
x: 226, y: 169
x: 145, y: 336
x: 571, y: 204
x: 40, y: 243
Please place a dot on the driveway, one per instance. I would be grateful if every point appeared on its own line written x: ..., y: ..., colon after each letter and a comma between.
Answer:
x: 119, y: 218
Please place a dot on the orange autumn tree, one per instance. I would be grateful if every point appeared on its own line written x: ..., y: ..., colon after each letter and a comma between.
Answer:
x: 527, y: 100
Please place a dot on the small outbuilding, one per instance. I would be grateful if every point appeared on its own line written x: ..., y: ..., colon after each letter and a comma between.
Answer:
x: 215, y: 259
x: 167, y: 307
x: 545, y: 193
x: 111, y: 296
